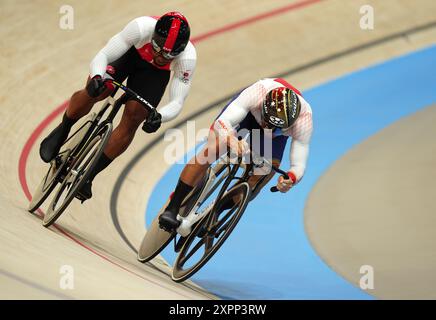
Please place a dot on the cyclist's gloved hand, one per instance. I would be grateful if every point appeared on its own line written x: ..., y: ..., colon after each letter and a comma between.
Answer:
x: 153, y: 122
x: 238, y: 147
x: 95, y: 86
x: 284, y: 185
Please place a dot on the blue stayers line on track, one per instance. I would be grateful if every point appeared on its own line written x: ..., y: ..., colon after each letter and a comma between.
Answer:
x: 268, y: 256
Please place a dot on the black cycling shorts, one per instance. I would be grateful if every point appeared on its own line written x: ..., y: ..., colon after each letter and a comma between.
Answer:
x: 142, y: 77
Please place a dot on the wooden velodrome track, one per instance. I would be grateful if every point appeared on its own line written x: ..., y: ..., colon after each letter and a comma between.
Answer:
x: 41, y: 65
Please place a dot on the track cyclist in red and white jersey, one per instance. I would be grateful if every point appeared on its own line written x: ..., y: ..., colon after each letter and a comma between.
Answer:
x: 272, y: 107
x: 145, y: 52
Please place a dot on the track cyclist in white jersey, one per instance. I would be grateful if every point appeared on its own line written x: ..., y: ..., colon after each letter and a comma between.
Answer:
x: 145, y: 52
x: 272, y: 106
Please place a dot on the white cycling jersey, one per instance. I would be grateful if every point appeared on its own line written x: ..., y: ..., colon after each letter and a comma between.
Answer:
x: 138, y: 33
x: 251, y: 99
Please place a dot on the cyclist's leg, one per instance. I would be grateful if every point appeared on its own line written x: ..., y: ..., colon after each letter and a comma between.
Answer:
x: 79, y: 105
x: 193, y: 172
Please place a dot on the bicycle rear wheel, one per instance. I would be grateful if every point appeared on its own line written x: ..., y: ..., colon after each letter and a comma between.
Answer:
x: 154, y: 241
x: 77, y: 174
x: 210, y: 233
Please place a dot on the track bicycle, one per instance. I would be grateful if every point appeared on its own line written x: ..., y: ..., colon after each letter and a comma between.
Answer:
x: 79, y: 154
x: 206, y: 218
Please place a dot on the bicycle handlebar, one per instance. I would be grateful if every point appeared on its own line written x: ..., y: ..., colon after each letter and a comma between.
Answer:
x: 284, y: 175
x: 276, y: 169
x: 131, y: 93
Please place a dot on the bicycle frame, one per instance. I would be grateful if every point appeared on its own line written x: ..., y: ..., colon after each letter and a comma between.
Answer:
x: 211, y: 184
x: 70, y: 166
x: 187, y: 220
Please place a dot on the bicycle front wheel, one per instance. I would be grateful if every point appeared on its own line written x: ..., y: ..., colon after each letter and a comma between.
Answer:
x: 210, y: 233
x: 49, y: 181
x: 77, y: 174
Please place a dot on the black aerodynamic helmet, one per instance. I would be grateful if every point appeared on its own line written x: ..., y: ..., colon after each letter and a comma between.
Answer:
x: 281, y: 108
x: 171, y: 34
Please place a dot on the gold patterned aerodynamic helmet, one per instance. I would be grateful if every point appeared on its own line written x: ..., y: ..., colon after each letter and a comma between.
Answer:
x: 281, y: 107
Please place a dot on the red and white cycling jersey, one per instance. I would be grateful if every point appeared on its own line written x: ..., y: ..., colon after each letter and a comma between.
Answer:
x: 138, y: 33
x: 251, y: 100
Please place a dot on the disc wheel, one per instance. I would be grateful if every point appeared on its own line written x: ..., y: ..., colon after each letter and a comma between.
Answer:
x: 156, y: 239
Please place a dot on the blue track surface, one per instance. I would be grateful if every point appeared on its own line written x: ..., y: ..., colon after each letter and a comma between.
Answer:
x: 268, y: 256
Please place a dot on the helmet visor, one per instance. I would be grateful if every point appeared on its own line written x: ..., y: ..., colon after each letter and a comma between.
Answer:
x: 164, y: 53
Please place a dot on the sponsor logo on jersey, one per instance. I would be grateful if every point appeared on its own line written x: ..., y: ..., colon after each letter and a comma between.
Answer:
x: 110, y: 69
x: 185, y: 76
